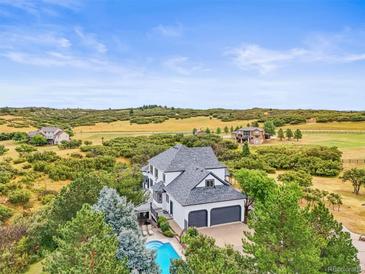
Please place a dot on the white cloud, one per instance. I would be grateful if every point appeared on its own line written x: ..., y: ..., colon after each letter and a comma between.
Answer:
x: 319, y: 48
x: 182, y: 65
x: 169, y: 30
x: 90, y: 40
x: 42, y: 7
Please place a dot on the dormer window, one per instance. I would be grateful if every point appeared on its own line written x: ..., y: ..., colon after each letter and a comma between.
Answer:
x: 209, y: 183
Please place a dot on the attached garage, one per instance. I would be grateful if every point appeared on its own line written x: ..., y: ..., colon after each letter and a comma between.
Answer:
x: 222, y: 215
x: 198, y: 218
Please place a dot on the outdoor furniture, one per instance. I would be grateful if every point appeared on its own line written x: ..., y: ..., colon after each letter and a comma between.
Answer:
x: 149, y: 229
x: 144, y: 232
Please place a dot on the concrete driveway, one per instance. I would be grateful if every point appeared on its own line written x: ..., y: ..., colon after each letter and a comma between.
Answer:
x: 231, y: 234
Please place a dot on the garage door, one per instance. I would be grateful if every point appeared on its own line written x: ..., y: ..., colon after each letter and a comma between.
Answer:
x: 198, y: 218
x: 224, y: 215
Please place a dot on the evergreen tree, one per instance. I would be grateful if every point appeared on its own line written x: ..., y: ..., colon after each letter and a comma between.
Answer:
x: 194, y: 131
x: 289, y: 133
x: 218, y: 130
x: 120, y: 215
x: 283, y: 241
x: 245, y: 149
x: 281, y: 134
x: 256, y: 185
x: 298, y: 134
x: 226, y: 129
x: 337, y: 250
x: 85, y: 245
x: 231, y: 129
x: 207, y: 131
x: 269, y: 128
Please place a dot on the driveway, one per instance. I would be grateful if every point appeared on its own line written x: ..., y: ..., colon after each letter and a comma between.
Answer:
x: 360, y: 246
x: 231, y: 234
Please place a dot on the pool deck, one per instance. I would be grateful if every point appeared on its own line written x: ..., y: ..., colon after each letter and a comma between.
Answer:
x: 158, y: 236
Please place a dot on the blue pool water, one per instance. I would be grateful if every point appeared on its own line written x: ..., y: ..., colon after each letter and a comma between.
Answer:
x: 164, y: 254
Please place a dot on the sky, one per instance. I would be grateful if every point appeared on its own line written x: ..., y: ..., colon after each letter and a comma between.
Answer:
x: 187, y: 53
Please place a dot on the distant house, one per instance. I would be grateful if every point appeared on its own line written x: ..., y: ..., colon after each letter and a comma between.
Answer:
x: 53, y: 135
x: 189, y: 186
x: 252, y: 135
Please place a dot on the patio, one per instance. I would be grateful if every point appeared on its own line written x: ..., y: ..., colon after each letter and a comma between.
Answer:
x: 231, y: 234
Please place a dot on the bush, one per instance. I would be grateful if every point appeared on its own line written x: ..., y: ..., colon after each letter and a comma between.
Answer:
x: 3, y: 150
x: 38, y: 140
x: 24, y: 148
x: 168, y: 233
x: 19, y: 196
x: 5, y: 213
x: 71, y: 144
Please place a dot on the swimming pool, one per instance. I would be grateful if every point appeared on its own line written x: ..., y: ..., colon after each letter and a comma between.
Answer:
x: 164, y: 254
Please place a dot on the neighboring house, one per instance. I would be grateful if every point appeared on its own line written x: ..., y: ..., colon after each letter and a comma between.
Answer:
x: 189, y: 186
x: 53, y: 135
x: 252, y: 135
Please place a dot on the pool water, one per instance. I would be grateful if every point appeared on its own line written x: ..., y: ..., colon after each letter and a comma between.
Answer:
x: 165, y: 253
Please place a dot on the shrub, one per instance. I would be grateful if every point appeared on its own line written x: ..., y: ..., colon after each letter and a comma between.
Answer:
x: 19, y: 196
x: 168, y: 233
x: 24, y: 148
x: 3, y: 150
x: 70, y: 144
x: 5, y: 213
x: 38, y: 140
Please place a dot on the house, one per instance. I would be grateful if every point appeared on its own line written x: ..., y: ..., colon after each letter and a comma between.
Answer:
x: 53, y: 135
x: 252, y: 135
x: 189, y: 186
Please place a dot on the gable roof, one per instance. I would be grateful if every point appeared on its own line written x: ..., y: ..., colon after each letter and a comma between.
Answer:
x: 184, y: 189
x: 178, y: 157
x: 249, y: 129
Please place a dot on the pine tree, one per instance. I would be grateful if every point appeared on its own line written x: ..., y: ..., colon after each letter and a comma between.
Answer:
x: 269, y: 128
x: 245, y: 149
x: 226, y: 129
x: 281, y: 134
x: 120, y: 215
x: 283, y: 241
x: 218, y: 130
x: 231, y: 129
x: 289, y: 133
x: 298, y: 134
x: 85, y: 245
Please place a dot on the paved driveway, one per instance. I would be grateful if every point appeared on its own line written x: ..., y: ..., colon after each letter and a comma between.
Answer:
x: 231, y: 234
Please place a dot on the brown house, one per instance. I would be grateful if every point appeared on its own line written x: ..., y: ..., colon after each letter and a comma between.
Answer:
x: 253, y: 135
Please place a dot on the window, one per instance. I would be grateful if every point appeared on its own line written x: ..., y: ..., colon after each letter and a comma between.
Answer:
x: 167, y: 198
x: 209, y: 183
x: 157, y: 196
x: 156, y: 173
x: 151, y: 168
x: 151, y: 182
x: 164, y: 177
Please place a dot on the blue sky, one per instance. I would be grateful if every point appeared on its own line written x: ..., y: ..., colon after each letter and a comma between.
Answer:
x: 201, y: 54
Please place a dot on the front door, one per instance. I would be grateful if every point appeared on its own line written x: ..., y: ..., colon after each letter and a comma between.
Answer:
x: 171, y: 208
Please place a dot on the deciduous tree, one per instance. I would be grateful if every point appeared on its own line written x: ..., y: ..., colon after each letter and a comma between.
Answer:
x: 298, y: 134
x: 289, y: 133
x: 301, y: 177
x: 356, y: 176
x: 269, y: 128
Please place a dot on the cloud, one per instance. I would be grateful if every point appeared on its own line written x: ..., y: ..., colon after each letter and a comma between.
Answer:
x: 90, y: 40
x: 43, y: 6
x: 169, y: 30
x: 330, y: 49
x: 182, y: 65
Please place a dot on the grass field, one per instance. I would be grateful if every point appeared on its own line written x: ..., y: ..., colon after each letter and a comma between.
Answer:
x: 330, y: 126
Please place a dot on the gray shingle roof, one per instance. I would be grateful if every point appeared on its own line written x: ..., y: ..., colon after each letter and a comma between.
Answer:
x: 178, y: 157
x: 249, y: 129
x: 158, y: 186
x: 184, y: 189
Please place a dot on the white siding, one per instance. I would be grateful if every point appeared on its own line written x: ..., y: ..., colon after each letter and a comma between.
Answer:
x: 61, y: 137
x: 219, y: 172
x: 179, y: 212
x: 210, y: 177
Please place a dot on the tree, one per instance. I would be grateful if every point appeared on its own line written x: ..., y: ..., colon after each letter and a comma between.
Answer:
x: 245, y: 149
x: 218, y: 130
x: 120, y: 215
x: 203, y: 256
x: 38, y: 140
x: 226, y: 129
x: 298, y: 134
x: 231, y: 129
x: 256, y: 185
x: 300, y: 177
x: 289, y: 133
x: 337, y: 250
x: 356, y: 176
x: 281, y: 134
x: 269, y: 128
x: 194, y: 131
x: 207, y: 131
x: 283, y: 241
x: 3, y: 150
x: 85, y: 245
x: 255, y: 124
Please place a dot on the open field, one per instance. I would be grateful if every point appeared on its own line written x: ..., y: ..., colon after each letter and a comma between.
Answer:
x: 122, y: 128
x: 330, y: 126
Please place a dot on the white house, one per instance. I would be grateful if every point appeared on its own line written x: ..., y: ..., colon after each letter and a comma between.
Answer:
x: 189, y: 185
x: 53, y: 135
